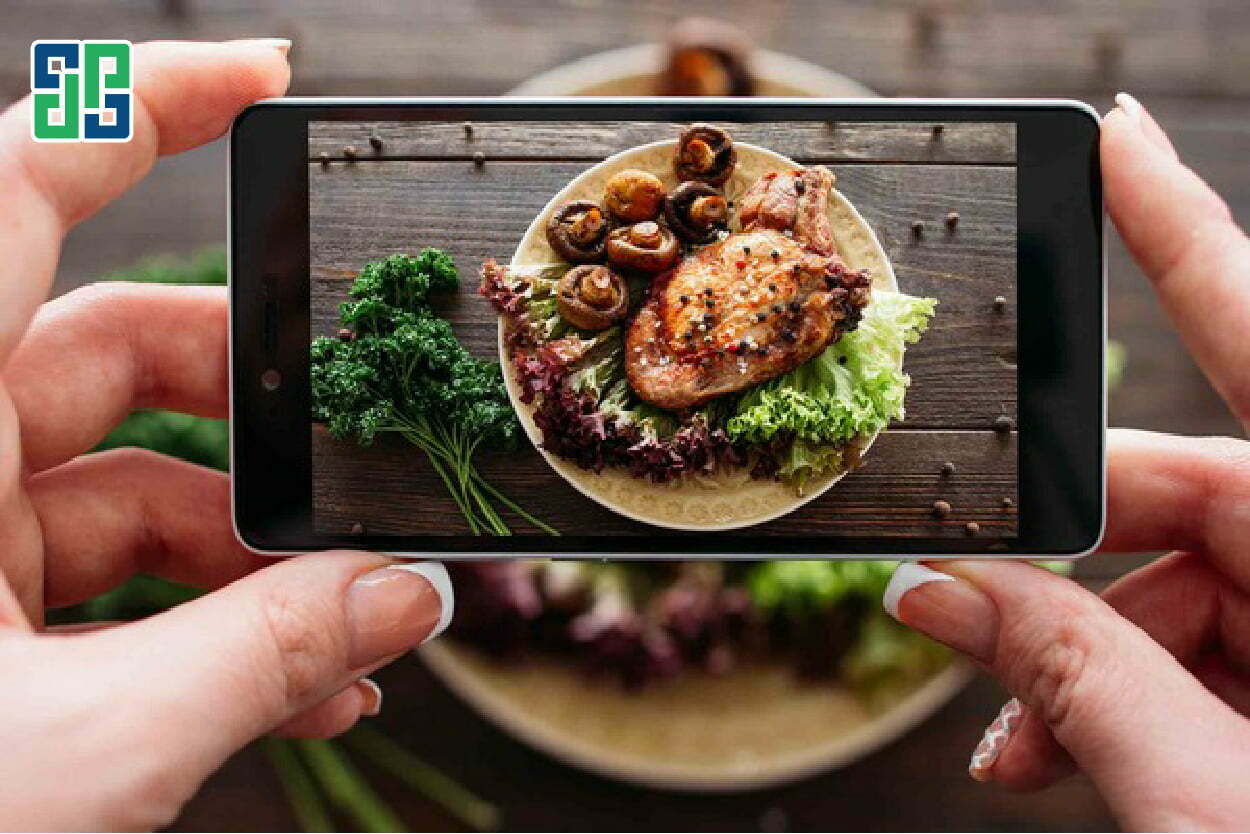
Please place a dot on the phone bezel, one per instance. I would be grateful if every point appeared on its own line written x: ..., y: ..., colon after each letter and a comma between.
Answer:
x: 1061, y: 278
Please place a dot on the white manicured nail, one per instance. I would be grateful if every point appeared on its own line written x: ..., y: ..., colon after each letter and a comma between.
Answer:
x: 1131, y: 106
x: 440, y: 581
x: 283, y: 45
x: 373, y: 697
x: 906, y: 576
x: 995, y: 740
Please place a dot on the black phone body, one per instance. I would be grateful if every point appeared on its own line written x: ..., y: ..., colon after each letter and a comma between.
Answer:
x: 994, y: 208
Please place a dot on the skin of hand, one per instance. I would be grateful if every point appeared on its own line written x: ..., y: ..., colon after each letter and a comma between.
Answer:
x: 137, y: 715
x: 1145, y: 689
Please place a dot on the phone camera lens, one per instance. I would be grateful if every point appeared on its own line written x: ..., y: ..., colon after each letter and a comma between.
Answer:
x: 270, y: 380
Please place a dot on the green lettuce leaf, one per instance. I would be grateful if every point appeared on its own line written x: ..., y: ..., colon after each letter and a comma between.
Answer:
x: 855, y: 387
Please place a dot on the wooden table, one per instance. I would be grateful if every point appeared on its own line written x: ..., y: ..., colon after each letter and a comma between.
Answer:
x: 1187, y: 63
x: 422, y: 188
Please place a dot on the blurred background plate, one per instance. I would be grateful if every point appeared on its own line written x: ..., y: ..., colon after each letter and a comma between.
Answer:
x: 635, y: 70
x: 755, y: 727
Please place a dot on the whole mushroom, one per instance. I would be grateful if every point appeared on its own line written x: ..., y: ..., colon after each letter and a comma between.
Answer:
x: 592, y: 297
x: 705, y: 153
x: 696, y: 211
x: 645, y: 246
x: 634, y: 196
x: 578, y: 231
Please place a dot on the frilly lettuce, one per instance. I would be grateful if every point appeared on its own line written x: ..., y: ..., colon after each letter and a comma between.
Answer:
x: 854, y: 388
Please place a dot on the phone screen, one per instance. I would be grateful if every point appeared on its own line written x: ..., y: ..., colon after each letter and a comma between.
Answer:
x: 789, y: 329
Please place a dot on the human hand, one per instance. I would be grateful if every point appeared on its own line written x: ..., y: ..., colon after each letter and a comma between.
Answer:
x: 1146, y: 690
x: 135, y: 716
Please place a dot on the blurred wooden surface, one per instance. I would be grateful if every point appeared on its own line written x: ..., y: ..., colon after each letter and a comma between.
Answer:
x: 419, y: 190
x: 1187, y: 62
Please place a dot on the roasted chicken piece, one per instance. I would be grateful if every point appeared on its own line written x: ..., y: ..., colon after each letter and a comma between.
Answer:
x: 797, y: 200
x: 752, y: 307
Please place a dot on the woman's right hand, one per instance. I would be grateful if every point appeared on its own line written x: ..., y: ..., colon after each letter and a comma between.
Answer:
x: 1146, y: 689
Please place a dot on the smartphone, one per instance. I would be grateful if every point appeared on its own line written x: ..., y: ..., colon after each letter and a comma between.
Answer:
x: 723, y: 328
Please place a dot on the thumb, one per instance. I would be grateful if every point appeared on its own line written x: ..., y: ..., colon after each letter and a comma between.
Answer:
x: 211, y: 675
x: 1152, y: 738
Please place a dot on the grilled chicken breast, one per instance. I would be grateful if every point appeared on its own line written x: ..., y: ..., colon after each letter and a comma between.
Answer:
x: 751, y: 307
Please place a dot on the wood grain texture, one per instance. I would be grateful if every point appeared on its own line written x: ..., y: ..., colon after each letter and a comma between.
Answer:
x: 981, y: 143
x: 1010, y: 47
x: 963, y: 371
x: 390, y: 488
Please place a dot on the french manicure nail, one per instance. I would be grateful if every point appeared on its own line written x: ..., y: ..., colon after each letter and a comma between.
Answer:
x: 945, y: 607
x: 373, y: 697
x: 1130, y: 106
x: 283, y: 45
x: 1146, y: 123
x: 394, y: 608
x: 436, y: 574
x: 995, y: 740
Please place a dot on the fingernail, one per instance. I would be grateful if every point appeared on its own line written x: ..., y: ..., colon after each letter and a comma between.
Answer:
x: 1130, y: 106
x: 372, y: 694
x: 995, y: 740
x: 283, y: 45
x: 945, y: 607
x: 1141, y: 117
x: 395, y: 608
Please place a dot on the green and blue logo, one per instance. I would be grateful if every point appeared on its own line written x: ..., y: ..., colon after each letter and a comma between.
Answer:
x: 83, y: 91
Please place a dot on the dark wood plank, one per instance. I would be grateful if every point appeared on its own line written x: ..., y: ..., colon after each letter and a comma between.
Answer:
x: 390, y: 488
x: 980, y: 143
x: 963, y: 371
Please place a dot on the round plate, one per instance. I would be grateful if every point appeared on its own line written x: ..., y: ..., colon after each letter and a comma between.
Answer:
x: 727, y: 501
x: 755, y: 727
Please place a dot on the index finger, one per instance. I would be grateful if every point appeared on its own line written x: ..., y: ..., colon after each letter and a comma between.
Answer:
x: 185, y: 95
x: 1182, y: 235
